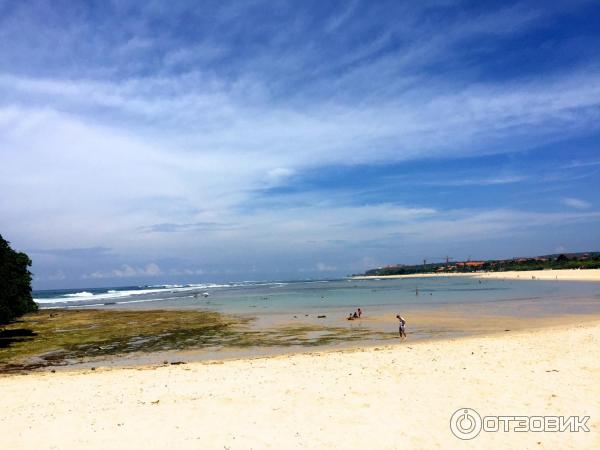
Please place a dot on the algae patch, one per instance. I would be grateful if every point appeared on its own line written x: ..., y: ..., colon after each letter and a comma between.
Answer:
x: 65, y: 336
x: 53, y: 338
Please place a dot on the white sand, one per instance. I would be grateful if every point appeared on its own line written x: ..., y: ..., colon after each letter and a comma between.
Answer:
x: 398, y: 397
x: 561, y: 275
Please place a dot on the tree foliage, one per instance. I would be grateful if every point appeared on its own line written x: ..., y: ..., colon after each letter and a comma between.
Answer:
x: 15, y: 283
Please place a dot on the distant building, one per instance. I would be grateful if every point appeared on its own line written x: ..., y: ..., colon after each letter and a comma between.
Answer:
x: 470, y: 264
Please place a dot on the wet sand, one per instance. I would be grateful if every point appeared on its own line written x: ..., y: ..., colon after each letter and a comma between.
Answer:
x: 380, y: 397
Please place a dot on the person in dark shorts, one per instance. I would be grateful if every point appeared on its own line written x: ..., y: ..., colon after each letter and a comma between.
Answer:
x: 401, y: 325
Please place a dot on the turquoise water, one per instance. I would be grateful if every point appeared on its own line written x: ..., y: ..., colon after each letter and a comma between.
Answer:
x: 313, y: 296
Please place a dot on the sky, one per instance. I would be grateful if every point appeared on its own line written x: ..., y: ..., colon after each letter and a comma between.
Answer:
x: 191, y: 141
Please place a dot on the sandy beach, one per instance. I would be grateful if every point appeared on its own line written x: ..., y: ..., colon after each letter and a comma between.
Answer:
x: 385, y: 397
x: 560, y: 275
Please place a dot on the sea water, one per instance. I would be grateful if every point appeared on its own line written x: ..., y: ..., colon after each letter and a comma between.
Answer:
x: 313, y: 296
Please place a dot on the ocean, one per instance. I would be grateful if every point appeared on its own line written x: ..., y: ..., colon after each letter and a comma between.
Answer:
x: 314, y: 296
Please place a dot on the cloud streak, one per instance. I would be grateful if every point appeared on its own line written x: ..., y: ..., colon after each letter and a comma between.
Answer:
x: 576, y: 203
x: 126, y: 271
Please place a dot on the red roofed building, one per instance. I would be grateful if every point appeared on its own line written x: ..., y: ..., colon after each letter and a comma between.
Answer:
x: 470, y: 264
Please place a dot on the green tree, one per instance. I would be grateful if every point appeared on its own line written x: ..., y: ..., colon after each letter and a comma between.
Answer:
x: 15, y: 283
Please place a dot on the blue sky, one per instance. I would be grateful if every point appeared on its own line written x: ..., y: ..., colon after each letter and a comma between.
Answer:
x: 204, y: 141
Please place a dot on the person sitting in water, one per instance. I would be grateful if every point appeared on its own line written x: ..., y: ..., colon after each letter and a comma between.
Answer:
x: 350, y: 317
x: 402, y: 322
x: 355, y: 315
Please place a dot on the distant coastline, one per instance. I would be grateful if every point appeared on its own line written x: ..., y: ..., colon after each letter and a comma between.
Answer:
x: 554, y: 262
x: 549, y: 275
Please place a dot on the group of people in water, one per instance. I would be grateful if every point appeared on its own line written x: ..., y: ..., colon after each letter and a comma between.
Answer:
x: 401, y: 321
x: 356, y: 315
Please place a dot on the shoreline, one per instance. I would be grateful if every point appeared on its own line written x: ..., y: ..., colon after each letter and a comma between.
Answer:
x: 154, y: 360
x: 59, y: 350
x: 592, y: 275
x: 373, y: 398
x: 450, y: 327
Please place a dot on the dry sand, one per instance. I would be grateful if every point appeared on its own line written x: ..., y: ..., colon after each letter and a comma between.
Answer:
x: 560, y: 275
x: 394, y: 397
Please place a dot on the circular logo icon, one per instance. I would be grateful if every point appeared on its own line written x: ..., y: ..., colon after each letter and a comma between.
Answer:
x: 465, y: 423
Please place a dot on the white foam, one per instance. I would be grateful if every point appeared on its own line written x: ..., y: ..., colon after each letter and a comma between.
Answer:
x: 161, y: 288
x: 113, y: 294
x: 80, y: 294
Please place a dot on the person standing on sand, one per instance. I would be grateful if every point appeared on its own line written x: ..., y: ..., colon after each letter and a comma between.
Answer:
x: 359, y: 312
x: 401, y: 325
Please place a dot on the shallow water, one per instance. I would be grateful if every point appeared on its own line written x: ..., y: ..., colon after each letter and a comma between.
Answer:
x: 312, y: 297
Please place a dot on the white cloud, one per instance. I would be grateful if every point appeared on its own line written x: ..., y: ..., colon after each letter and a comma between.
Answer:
x: 278, y: 175
x: 187, y: 272
x: 493, y: 180
x: 576, y: 203
x: 127, y: 271
x: 55, y: 276
x: 322, y: 267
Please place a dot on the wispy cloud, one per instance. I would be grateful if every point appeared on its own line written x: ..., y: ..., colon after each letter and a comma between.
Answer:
x: 576, y: 203
x: 92, y: 252
x: 187, y: 227
x: 127, y: 271
x: 491, y: 181
x: 582, y: 163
